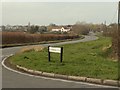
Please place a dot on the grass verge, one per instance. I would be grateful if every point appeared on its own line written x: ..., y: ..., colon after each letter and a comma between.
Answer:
x: 81, y: 59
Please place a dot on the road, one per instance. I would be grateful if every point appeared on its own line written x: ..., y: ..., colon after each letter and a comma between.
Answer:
x: 12, y: 79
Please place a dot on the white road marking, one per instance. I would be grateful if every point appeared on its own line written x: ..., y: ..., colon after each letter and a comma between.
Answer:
x: 50, y: 78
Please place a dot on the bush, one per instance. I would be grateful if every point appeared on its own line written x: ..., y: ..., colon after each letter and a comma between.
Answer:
x: 80, y: 29
x: 113, y: 32
x: 21, y: 37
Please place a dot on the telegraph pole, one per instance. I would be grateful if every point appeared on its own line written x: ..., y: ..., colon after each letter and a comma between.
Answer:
x: 105, y: 27
x: 119, y: 43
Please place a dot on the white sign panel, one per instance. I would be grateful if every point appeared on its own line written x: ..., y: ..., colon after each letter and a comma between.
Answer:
x: 55, y: 49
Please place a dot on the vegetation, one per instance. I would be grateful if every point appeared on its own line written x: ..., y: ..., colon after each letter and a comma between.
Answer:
x: 33, y: 29
x: 20, y: 37
x: 84, y: 28
x: 112, y: 32
x: 42, y: 29
x: 80, y: 28
x: 88, y: 59
x: 37, y: 29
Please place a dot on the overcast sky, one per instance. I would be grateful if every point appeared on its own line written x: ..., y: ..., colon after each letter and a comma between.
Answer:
x: 40, y: 13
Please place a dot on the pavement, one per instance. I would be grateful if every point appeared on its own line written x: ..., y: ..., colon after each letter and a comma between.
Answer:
x: 11, y: 79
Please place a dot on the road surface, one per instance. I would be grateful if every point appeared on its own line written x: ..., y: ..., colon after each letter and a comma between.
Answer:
x: 12, y: 79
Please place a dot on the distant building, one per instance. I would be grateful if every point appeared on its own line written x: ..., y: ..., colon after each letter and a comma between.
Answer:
x: 63, y: 29
x: 53, y: 30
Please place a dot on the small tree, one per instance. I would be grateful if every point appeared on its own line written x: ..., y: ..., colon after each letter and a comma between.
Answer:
x: 52, y: 24
x: 80, y: 29
x: 42, y: 29
x: 33, y: 29
x: 3, y: 28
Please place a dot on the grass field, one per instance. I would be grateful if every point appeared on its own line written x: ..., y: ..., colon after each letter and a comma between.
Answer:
x: 88, y: 59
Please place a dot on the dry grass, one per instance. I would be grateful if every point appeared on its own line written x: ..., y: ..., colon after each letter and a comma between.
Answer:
x: 31, y: 48
x: 107, y: 47
x: 21, y: 37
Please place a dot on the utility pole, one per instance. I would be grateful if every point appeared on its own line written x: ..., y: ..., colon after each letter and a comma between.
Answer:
x: 105, y: 23
x: 119, y: 43
x: 105, y: 28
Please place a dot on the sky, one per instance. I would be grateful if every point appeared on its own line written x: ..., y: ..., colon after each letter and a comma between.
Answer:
x: 60, y: 13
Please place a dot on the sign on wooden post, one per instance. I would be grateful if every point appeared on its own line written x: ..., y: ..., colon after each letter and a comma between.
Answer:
x: 55, y: 50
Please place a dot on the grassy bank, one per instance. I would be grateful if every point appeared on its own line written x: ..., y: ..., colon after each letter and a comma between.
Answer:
x: 88, y: 59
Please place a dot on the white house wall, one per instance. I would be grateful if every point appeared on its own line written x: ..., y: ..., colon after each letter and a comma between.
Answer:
x: 62, y: 30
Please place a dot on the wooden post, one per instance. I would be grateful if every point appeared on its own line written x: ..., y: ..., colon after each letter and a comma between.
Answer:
x: 61, y: 55
x: 48, y: 54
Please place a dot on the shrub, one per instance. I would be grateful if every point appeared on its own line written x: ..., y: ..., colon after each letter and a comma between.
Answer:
x: 21, y: 37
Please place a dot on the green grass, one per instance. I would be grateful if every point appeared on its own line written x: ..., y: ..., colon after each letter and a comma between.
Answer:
x: 81, y: 59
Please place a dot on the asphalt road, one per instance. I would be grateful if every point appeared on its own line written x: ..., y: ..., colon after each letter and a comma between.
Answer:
x: 12, y: 79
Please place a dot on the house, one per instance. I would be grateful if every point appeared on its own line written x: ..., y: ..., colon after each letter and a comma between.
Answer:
x: 54, y: 30
x: 63, y: 29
